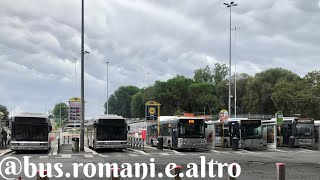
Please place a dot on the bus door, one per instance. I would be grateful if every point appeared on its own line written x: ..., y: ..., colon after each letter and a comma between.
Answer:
x: 234, y: 131
x: 286, y: 132
x: 174, y: 137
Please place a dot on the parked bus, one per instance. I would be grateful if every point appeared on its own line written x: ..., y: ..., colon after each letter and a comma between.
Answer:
x: 30, y: 131
x: 317, y: 133
x: 248, y: 131
x: 108, y: 131
x: 179, y: 132
x: 302, y: 129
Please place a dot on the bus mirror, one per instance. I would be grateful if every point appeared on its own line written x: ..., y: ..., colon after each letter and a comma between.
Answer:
x: 50, y: 128
x: 205, y: 125
x: 128, y: 128
x: 94, y: 124
x: 179, y: 124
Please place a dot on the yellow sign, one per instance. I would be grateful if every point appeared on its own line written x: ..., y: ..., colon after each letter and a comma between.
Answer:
x: 75, y: 99
x: 152, y: 103
x: 152, y: 110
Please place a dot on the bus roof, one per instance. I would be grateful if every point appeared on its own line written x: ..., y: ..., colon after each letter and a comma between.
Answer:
x: 109, y: 116
x: 27, y: 114
x: 166, y: 118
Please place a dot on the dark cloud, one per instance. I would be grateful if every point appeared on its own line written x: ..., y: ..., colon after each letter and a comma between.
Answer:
x: 40, y: 39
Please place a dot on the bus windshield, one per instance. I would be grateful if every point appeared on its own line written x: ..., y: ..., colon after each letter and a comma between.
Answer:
x: 111, y: 129
x: 191, y: 128
x: 305, y: 130
x: 252, y: 131
x: 30, y: 132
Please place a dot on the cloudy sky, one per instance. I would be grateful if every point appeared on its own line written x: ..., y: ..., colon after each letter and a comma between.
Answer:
x: 40, y: 39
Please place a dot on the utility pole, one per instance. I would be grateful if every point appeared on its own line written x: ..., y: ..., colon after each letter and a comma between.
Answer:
x: 107, y: 87
x: 82, y: 78
x: 235, y: 74
x: 229, y: 97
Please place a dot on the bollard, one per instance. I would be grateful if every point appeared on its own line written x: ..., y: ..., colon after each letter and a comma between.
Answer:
x: 281, y: 171
x: 140, y: 141
x: 42, y: 178
x: 68, y: 139
x: 143, y: 145
x: 64, y: 140
x: 19, y: 178
x: 112, y: 175
x: 131, y: 142
x: 234, y: 171
x: 177, y: 171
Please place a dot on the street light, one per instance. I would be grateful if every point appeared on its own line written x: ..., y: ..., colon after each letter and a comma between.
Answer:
x: 82, y: 78
x: 107, y: 87
x: 229, y: 97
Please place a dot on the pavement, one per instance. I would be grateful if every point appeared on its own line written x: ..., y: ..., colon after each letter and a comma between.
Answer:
x: 300, y: 163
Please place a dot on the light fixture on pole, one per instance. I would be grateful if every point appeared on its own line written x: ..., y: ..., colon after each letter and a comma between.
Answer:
x: 229, y: 96
x: 107, y: 87
x: 235, y: 73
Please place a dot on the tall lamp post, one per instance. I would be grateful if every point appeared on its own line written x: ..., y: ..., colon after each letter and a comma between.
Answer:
x: 107, y: 87
x: 60, y: 114
x: 82, y: 78
x: 229, y: 97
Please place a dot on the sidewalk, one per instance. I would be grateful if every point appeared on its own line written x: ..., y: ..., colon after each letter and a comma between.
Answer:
x: 4, y: 151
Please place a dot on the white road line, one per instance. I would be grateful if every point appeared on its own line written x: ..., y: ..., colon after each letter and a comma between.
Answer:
x: 193, y: 154
x: 43, y: 157
x: 133, y: 155
x: 88, y: 156
x: 220, y: 152
x: 250, y: 152
x: 215, y: 151
x: 279, y: 150
x: 102, y: 155
x: 141, y: 152
x: 164, y: 154
x: 307, y: 150
x: 178, y: 153
x: 66, y: 156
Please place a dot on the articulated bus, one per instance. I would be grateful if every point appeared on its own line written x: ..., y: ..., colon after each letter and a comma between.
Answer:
x: 108, y: 131
x: 248, y: 131
x: 30, y: 131
x: 179, y: 132
x: 302, y: 129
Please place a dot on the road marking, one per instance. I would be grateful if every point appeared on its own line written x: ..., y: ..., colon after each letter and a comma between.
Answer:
x: 164, y: 154
x: 102, y: 155
x: 141, y: 152
x: 279, y: 150
x: 308, y: 150
x: 65, y: 156
x: 220, y: 152
x: 250, y: 152
x: 88, y: 156
x: 133, y: 155
x: 178, y: 153
x: 43, y: 157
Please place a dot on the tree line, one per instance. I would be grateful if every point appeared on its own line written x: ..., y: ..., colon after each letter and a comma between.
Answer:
x: 267, y: 92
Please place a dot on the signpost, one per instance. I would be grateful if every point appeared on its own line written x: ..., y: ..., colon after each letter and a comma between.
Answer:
x: 74, y: 110
x: 153, y: 113
x: 279, y: 118
x: 223, y: 116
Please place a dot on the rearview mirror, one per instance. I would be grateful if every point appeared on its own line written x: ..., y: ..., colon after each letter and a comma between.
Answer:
x: 205, y: 125
x: 50, y: 128
x: 128, y: 128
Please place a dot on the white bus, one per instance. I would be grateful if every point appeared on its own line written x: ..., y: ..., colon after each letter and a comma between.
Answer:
x: 179, y: 132
x: 30, y: 131
x: 108, y: 131
x: 302, y: 129
x: 248, y: 131
x: 317, y: 133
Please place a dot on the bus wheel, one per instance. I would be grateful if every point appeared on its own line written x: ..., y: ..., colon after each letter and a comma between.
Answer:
x: 193, y: 149
x: 120, y: 149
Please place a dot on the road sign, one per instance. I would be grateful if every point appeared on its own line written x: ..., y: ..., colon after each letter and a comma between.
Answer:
x: 74, y: 109
x: 152, y: 110
x: 279, y: 117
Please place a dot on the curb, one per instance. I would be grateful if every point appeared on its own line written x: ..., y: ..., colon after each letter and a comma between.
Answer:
x: 6, y: 152
x: 86, y: 149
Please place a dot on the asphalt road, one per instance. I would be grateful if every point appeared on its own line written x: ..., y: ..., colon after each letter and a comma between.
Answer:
x: 300, y: 163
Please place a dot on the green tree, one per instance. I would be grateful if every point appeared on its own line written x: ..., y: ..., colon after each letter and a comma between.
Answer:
x: 260, y: 88
x: 203, y: 75
x: 242, y: 81
x: 120, y: 103
x: 5, y: 112
x: 138, y: 105
x: 220, y: 72
x: 202, y: 96
x: 64, y: 111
